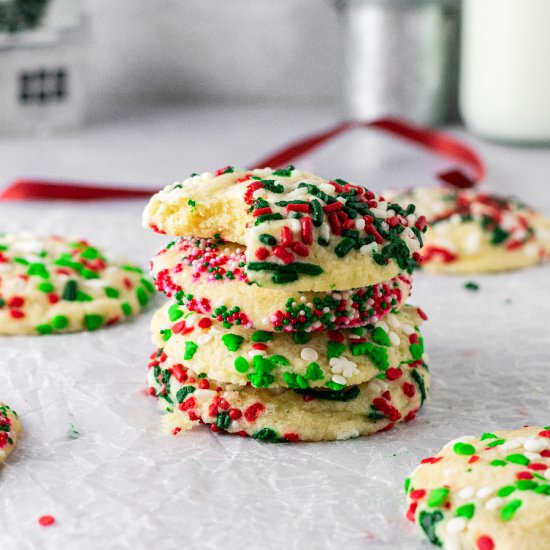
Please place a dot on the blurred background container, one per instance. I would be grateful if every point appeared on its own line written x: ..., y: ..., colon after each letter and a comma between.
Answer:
x: 98, y: 59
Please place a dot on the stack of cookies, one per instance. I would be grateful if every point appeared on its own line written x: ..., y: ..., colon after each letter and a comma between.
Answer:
x: 286, y: 317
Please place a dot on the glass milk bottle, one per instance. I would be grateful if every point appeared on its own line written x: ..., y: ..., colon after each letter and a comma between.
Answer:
x: 505, y: 69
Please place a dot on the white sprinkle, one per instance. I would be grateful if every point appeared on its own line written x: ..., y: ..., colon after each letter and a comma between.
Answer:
x: 377, y: 386
x: 494, y: 503
x: 327, y: 188
x: 359, y: 224
x: 532, y: 456
x: 309, y: 354
x: 393, y: 321
x: 204, y: 339
x: 534, y: 445
x: 254, y: 352
x: 338, y: 379
x: 547, y: 474
x: 341, y: 199
x: 484, y: 492
x: 407, y: 329
x: 394, y: 339
x: 509, y: 445
x: 456, y: 525
x: 367, y: 249
x: 382, y: 324
x: 324, y: 231
x: 303, y: 299
x: 467, y: 492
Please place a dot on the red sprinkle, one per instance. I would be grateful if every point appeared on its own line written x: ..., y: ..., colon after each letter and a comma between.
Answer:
x: 262, y: 253
x: 204, y: 384
x: 252, y: 412
x: 262, y: 211
x: 46, y: 521
x: 485, y: 542
x: 336, y: 336
x: 291, y: 436
x: 393, y: 373
x: 235, y: 414
x: 417, y: 494
x: 524, y: 475
x: 544, y: 433
x: 472, y: 459
x: 408, y: 389
x: 300, y: 248
x: 537, y: 466
x: 307, y: 230
x: 283, y: 254
x: 431, y: 460
x: 304, y: 208
x: 205, y: 323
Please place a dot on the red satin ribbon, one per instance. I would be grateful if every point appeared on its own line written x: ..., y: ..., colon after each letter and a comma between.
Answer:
x: 438, y: 142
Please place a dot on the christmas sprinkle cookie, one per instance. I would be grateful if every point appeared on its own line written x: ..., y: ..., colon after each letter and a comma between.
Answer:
x: 10, y: 428
x: 473, y: 232
x: 298, y: 231
x: 487, y: 492
x: 50, y: 285
x: 209, y: 276
x: 329, y: 359
x: 284, y: 414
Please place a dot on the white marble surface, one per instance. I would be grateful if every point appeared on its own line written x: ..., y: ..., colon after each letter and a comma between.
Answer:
x: 123, y: 484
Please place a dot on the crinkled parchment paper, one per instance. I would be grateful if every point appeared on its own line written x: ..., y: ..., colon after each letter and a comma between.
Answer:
x: 93, y: 455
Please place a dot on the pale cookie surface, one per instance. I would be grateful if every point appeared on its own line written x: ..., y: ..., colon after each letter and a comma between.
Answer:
x: 10, y: 428
x: 284, y: 414
x: 487, y: 492
x: 473, y: 232
x: 52, y: 285
x: 332, y: 359
x: 298, y: 230
x: 209, y: 276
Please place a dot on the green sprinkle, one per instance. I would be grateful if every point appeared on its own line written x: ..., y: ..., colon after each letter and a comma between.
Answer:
x: 407, y: 484
x: 191, y: 203
x: 93, y: 322
x: 59, y: 322
x: 419, y: 379
x: 518, y: 459
x: 183, y: 392
x: 344, y: 247
x: 148, y: 285
x: 190, y: 350
x: 427, y: 522
x: 142, y: 296
x: 174, y: 312
x: 266, y: 434
x: 496, y: 443
x: 335, y: 349
x: 283, y: 278
x: 301, y: 337
x: 506, y: 491
x: 508, y: 511
x: 438, y: 496
x: 267, y: 239
x: 223, y: 420
x: 132, y: 268
x: 284, y: 172
x: 417, y: 350
x: 470, y: 285
x: 339, y: 394
x: 232, y: 341
x: 111, y: 292
x: 90, y: 253
x: 316, y: 213
x: 488, y: 435
x: 70, y: 291
x: 314, y: 372
x: 126, y: 308
x: 380, y: 336
x: 261, y: 336
x: 83, y: 297
x: 497, y: 462
x: 241, y: 365
x: 466, y: 511
x: 526, y: 484
x: 44, y: 329
x: 46, y: 287
x: 38, y: 270
x: 279, y: 360
x: 464, y: 449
